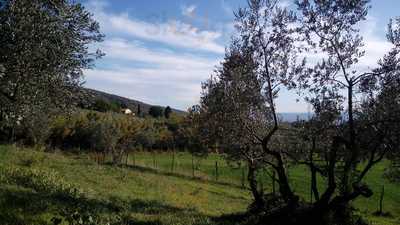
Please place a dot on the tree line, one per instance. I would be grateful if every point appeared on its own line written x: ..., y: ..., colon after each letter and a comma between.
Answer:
x: 118, y: 135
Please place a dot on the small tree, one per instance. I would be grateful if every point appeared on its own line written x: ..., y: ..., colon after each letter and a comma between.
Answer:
x: 35, y: 128
x: 105, y: 136
x: 240, y: 100
x: 167, y: 112
x: 156, y: 111
x: 196, y: 141
x: 103, y: 105
x: 139, y: 110
x: 129, y: 127
x: 114, y: 134
x: 330, y: 29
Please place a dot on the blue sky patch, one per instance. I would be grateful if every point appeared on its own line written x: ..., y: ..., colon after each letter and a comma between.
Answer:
x: 160, y: 51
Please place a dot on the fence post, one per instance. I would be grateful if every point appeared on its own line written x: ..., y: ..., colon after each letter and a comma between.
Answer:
x: 173, y: 161
x: 192, y: 165
x: 154, y: 160
x: 216, y: 171
x: 381, y: 200
x: 243, y: 177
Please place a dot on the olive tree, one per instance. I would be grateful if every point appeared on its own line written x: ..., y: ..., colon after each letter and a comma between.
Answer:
x: 114, y: 134
x: 240, y: 99
x: 45, y: 47
x: 330, y: 28
x: 381, y: 106
x: 348, y: 102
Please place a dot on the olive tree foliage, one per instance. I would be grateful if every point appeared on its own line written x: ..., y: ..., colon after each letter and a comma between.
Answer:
x: 156, y: 111
x: 381, y: 107
x: 350, y: 102
x: 194, y: 132
x: 239, y: 99
x: 45, y: 47
x: 167, y: 112
x: 105, y: 136
x: 113, y: 134
x: 338, y: 78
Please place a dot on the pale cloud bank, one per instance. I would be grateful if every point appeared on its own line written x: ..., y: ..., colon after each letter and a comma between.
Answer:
x: 154, y: 86
x: 137, y: 69
x: 117, y: 48
x: 172, y: 75
x: 171, y: 32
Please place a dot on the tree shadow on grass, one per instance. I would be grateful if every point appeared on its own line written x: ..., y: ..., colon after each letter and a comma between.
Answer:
x: 25, y: 206
x: 22, y: 207
x: 155, y: 207
x: 232, y: 219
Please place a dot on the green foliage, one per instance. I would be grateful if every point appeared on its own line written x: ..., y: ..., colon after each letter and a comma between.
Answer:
x: 139, y: 110
x: 106, y: 106
x: 146, y: 138
x: 156, y: 111
x: 167, y: 112
x: 34, y: 129
x: 43, y: 53
x: 107, y: 133
x: 38, y: 180
x: 114, y: 134
x: 117, y: 134
x: 72, y: 131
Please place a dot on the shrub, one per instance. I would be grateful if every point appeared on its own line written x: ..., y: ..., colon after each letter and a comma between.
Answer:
x: 41, y: 181
x: 31, y: 159
x: 156, y: 111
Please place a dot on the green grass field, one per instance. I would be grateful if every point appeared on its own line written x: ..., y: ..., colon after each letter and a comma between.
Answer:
x: 141, y: 194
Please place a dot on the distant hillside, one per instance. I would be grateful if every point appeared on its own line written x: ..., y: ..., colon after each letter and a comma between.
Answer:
x: 93, y: 95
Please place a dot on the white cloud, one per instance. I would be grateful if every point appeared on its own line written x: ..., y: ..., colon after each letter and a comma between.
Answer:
x: 174, y: 33
x: 189, y: 11
x: 117, y: 48
x: 136, y: 68
x: 176, y: 88
x: 171, y: 32
x: 166, y: 76
x: 163, y: 77
x: 376, y: 45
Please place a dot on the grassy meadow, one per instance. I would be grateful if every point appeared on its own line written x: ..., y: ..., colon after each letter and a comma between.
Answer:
x: 147, y: 191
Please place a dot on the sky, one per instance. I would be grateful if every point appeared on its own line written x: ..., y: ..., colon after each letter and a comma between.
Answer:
x: 160, y: 51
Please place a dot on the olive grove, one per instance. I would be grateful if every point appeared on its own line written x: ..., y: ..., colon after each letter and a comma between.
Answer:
x: 315, y: 51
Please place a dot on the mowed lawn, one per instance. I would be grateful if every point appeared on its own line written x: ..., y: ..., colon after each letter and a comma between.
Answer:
x: 150, y: 191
